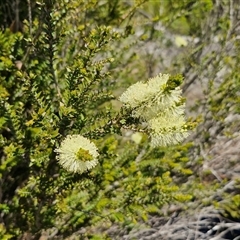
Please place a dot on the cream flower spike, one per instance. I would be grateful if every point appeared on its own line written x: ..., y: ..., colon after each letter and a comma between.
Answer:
x: 77, y: 154
x: 158, y: 103
x: 167, y: 130
x: 147, y: 99
x: 154, y: 108
x: 141, y: 92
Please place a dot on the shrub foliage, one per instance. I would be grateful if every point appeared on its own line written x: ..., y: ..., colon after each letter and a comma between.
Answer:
x: 59, y: 76
x: 63, y: 66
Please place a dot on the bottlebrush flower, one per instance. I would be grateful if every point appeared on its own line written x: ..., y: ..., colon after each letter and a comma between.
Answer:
x: 77, y: 154
x: 147, y: 99
x: 141, y: 92
x: 167, y: 130
x: 159, y: 105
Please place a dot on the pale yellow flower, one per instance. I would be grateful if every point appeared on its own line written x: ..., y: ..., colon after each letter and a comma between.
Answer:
x: 135, y: 95
x: 160, y: 104
x: 77, y: 154
x: 181, y: 41
x: 167, y: 130
x: 137, y: 137
x: 148, y: 99
x: 141, y: 92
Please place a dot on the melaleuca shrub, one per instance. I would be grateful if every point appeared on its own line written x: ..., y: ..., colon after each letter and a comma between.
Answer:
x: 65, y: 161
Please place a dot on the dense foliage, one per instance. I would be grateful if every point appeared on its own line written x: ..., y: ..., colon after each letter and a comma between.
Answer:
x: 63, y: 66
x: 56, y: 80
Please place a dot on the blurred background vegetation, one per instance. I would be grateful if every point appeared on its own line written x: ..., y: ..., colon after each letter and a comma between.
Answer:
x: 63, y: 65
